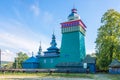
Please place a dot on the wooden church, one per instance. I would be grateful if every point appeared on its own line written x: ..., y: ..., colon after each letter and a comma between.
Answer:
x: 72, y: 54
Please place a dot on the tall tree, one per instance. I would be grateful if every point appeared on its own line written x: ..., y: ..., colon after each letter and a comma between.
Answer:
x: 18, y: 60
x: 108, y: 39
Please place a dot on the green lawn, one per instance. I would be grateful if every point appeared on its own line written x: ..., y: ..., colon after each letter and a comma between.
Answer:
x: 76, y: 75
x: 100, y: 76
x: 113, y: 77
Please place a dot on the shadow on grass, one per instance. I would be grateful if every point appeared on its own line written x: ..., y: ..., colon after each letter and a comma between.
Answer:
x: 71, y: 75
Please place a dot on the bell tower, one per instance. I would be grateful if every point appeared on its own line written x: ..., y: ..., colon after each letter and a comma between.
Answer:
x: 73, y: 38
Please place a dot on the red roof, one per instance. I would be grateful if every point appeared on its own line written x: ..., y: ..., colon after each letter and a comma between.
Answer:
x: 73, y: 23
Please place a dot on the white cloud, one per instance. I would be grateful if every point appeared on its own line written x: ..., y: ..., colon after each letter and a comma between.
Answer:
x: 35, y: 9
x: 22, y: 43
x: 7, y: 55
x: 15, y: 35
x: 90, y: 51
x: 17, y: 13
x: 12, y: 40
x: 47, y: 17
x: 44, y: 16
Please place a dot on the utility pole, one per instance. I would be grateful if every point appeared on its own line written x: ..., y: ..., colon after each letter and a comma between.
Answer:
x: 0, y: 58
x: 16, y: 63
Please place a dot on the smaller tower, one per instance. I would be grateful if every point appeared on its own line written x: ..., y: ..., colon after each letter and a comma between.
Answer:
x: 32, y: 54
x: 53, y: 42
x: 40, y: 50
x: 51, y: 55
x: 52, y: 50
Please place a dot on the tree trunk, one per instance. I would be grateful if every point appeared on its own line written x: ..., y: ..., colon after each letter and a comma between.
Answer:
x: 111, y: 52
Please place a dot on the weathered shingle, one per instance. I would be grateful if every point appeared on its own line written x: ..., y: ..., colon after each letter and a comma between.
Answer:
x: 69, y: 64
x: 89, y: 59
x: 31, y: 60
x: 115, y: 63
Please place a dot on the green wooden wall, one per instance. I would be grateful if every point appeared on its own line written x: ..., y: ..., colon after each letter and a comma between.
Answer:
x: 72, y: 47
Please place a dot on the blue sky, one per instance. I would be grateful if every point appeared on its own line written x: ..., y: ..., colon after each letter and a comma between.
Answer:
x: 24, y: 23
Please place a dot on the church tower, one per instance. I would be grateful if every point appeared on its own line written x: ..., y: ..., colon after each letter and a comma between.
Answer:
x: 73, y: 38
x: 39, y: 51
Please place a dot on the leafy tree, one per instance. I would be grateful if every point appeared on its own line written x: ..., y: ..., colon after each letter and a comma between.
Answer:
x: 18, y: 60
x: 8, y: 65
x: 108, y: 39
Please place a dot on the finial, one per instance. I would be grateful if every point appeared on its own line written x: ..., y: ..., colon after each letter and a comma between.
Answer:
x: 32, y: 53
x: 53, y: 31
x: 53, y: 42
x: 40, y: 46
x: 40, y: 49
x: 53, y: 36
x: 74, y: 6
x: 74, y: 10
x: 40, y: 43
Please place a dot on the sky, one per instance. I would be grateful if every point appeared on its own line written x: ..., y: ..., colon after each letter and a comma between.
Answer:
x: 26, y: 23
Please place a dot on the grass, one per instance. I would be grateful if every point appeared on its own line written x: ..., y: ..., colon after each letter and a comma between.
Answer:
x: 69, y: 75
x: 113, y: 76
x: 99, y: 76
x: 73, y: 75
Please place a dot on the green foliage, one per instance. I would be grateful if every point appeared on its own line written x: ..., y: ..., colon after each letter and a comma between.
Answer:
x: 108, y: 39
x: 8, y: 65
x: 18, y: 60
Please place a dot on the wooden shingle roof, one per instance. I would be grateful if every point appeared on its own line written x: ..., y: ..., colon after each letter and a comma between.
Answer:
x: 31, y: 60
x: 89, y: 59
x: 115, y: 63
x: 69, y: 64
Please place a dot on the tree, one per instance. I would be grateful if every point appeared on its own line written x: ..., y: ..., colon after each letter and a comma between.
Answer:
x: 108, y: 39
x: 8, y: 65
x: 18, y: 60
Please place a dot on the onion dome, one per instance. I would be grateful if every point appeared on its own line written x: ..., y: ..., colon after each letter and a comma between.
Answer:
x: 52, y: 51
x: 73, y: 15
x: 53, y: 43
